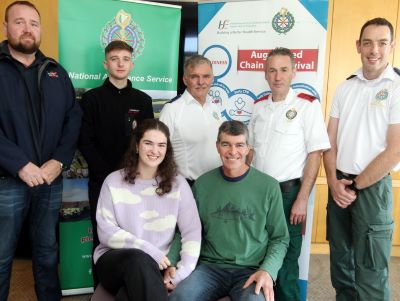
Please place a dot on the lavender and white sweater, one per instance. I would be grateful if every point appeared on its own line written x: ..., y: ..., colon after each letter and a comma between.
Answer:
x: 134, y: 216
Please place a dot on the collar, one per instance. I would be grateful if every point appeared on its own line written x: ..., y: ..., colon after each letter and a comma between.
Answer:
x: 388, y: 73
x: 5, y: 53
x: 188, y: 98
x: 234, y: 179
x: 113, y: 88
x: 289, y: 98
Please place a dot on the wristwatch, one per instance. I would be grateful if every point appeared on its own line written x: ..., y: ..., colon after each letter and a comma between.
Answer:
x: 62, y: 166
x: 353, y: 187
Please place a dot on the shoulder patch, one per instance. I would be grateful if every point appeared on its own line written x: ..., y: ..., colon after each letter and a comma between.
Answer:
x: 175, y: 98
x: 262, y: 98
x: 308, y: 97
x: 351, y: 76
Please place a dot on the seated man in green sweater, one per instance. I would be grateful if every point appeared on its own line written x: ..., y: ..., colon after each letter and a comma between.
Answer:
x: 245, y: 236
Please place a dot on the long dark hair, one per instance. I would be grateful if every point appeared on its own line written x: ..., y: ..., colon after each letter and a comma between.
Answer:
x: 167, y: 169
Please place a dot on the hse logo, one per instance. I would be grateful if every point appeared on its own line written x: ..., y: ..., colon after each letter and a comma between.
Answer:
x: 123, y: 28
x: 283, y: 21
x: 223, y: 24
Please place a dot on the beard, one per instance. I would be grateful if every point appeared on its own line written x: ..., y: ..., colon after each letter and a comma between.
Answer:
x: 25, y: 47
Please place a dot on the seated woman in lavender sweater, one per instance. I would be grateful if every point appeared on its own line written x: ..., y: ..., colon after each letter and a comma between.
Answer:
x: 138, y: 210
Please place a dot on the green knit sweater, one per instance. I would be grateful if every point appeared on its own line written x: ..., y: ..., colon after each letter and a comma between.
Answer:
x: 243, y: 221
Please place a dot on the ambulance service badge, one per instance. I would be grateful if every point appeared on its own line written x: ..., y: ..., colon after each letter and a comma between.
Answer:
x: 291, y: 114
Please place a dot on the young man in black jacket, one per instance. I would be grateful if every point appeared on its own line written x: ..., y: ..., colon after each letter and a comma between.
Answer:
x: 110, y: 113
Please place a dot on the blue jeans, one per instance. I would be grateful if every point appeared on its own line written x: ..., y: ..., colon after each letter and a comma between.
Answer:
x: 41, y: 206
x: 210, y: 282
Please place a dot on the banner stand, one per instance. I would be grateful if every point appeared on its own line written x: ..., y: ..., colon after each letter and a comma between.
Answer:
x: 76, y: 239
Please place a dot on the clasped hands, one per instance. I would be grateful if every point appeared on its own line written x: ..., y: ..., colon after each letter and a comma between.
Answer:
x: 341, y: 193
x: 34, y: 175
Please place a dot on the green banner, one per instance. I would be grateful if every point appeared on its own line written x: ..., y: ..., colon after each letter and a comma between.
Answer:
x: 76, y: 254
x: 87, y: 26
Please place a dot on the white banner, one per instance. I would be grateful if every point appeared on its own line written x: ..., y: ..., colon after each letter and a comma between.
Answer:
x: 237, y: 36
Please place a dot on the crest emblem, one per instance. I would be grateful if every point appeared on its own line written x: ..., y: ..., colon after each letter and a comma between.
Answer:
x: 283, y: 21
x: 380, y: 98
x: 291, y: 114
x: 123, y: 28
x: 215, y: 115
x: 382, y: 95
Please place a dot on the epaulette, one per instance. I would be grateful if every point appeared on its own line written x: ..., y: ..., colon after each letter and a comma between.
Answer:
x: 262, y: 98
x: 175, y: 98
x: 351, y: 76
x: 308, y: 97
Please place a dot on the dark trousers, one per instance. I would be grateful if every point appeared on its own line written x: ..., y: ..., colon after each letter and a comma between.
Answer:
x: 360, y: 241
x: 287, y: 284
x: 131, y: 274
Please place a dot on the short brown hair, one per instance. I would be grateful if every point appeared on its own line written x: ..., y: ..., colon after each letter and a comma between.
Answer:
x: 233, y: 128
x: 26, y: 3
x: 118, y: 45
x: 377, y: 22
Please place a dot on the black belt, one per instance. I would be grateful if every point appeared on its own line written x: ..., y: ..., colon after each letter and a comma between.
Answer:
x: 289, y: 184
x: 3, y: 173
x: 345, y: 175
